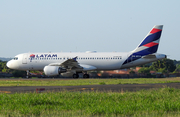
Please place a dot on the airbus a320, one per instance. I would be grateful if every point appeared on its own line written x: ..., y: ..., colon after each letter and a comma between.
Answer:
x: 71, y: 64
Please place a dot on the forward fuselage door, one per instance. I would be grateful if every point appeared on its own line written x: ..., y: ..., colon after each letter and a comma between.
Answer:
x: 24, y: 60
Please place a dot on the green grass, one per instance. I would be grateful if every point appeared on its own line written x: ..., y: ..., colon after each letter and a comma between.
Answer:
x: 73, y: 82
x: 161, y: 102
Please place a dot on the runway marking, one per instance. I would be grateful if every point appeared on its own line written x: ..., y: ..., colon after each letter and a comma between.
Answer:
x: 5, y: 91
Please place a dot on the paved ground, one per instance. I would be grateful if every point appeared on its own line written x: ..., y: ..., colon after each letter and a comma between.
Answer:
x: 104, y: 88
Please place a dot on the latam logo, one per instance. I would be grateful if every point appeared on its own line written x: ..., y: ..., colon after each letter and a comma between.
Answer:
x: 43, y: 55
x: 32, y: 56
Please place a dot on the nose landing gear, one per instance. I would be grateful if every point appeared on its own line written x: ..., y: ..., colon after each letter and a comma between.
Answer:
x: 27, y: 74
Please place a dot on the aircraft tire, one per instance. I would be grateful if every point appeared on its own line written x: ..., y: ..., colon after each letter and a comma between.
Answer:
x: 75, y: 76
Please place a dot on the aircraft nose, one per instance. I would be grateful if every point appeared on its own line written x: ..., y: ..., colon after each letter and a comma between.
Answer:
x: 11, y: 64
x: 8, y: 64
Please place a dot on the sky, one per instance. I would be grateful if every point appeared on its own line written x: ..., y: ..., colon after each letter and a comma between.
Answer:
x: 86, y: 25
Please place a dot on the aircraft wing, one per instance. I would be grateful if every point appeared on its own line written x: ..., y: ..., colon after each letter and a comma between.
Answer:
x: 68, y: 64
x: 72, y: 64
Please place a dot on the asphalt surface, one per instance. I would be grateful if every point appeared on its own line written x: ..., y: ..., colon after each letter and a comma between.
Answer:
x: 103, y: 88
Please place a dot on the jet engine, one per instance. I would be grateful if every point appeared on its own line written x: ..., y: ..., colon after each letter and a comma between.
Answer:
x: 53, y: 70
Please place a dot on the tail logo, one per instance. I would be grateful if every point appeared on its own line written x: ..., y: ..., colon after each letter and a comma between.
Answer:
x: 151, y: 44
x: 154, y: 30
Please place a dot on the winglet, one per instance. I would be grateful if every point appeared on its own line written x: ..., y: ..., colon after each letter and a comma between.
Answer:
x: 74, y: 58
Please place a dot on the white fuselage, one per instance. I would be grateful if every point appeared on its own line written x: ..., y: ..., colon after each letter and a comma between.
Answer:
x: 101, y: 61
x: 75, y: 63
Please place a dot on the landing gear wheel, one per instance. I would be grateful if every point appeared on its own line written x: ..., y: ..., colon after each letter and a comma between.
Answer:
x: 86, y: 76
x: 75, y: 76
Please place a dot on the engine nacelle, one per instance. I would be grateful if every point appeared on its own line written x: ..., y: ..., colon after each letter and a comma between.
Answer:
x: 53, y: 70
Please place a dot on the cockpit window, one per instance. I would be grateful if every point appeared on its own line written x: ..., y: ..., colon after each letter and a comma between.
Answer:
x: 15, y: 58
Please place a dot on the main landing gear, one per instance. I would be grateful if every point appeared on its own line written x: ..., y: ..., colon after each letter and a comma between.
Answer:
x: 86, y: 76
x: 76, y: 76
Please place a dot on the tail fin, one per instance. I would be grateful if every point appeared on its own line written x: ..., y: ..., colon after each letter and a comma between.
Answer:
x: 148, y: 46
x: 150, y: 43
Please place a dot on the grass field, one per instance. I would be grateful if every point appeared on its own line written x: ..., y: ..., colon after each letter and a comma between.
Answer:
x: 161, y: 102
x: 74, y: 82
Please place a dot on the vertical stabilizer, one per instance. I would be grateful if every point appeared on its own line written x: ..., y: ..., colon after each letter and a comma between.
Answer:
x: 149, y: 45
x: 151, y: 42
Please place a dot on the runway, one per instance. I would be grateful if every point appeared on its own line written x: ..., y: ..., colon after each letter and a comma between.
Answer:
x: 103, y: 88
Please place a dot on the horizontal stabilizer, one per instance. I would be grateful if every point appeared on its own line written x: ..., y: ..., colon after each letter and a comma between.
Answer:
x: 150, y: 56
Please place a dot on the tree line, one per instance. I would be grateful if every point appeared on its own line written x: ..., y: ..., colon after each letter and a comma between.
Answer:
x: 164, y: 66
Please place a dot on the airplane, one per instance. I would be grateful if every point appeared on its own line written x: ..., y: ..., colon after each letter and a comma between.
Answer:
x: 72, y: 63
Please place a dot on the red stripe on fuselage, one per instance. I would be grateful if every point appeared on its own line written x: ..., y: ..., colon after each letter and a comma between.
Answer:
x: 150, y: 44
x: 154, y: 30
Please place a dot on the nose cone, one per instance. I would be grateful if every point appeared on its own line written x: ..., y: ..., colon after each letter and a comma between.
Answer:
x: 12, y: 64
x: 8, y: 64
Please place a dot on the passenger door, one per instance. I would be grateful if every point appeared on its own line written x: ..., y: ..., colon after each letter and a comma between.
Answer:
x: 24, y: 60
